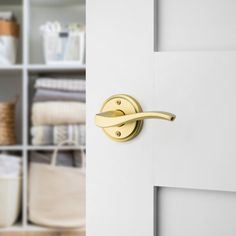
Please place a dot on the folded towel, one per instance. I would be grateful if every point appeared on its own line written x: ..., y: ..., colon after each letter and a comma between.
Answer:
x: 61, y: 84
x: 74, y: 133
x: 42, y: 135
x: 65, y: 158
x: 44, y: 95
x: 58, y: 113
x: 46, y: 135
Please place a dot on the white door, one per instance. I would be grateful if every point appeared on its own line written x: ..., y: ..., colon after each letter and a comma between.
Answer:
x: 175, y: 178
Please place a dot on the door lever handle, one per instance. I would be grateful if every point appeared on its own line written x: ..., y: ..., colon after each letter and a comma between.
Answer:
x: 121, y: 117
x: 117, y: 118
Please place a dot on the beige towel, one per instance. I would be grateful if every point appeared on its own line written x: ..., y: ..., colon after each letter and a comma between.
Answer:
x: 42, y: 135
x: 61, y: 84
x: 58, y: 113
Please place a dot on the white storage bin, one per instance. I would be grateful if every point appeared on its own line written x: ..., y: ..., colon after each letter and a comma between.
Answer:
x: 64, y: 48
x: 10, y: 200
x: 8, y: 49
x: 9, y: 33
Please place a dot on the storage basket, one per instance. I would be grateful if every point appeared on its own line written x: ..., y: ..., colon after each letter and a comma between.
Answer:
x: 64, y: 48
x: 57, y: 195
x: 9, y: 33
x: 7, y: 123
x: 10, y: 200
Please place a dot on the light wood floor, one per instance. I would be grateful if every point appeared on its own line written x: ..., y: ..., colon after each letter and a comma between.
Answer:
x: 42, y: 234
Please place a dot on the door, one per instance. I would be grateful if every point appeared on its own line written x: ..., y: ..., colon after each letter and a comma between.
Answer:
x: 174, y: 178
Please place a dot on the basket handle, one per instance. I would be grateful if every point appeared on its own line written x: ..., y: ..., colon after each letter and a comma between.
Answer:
x: 55, y: 153
x: 83, y: 155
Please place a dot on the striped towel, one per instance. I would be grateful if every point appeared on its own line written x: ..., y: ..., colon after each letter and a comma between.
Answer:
x: 42, y: 135
x: 74, y: 133
x: 46, y: 135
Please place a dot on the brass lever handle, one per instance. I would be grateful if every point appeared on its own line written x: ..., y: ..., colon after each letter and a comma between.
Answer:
x: 121, y: 117
x: 118, y: 118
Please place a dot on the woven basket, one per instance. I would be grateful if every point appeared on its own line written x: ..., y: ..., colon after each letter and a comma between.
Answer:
x: 7, y: 123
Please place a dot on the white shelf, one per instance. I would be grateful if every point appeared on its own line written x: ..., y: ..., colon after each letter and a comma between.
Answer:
x: 51, y: 148
x: 34, y: 228
x: 11, y: 68
x: 11, y: 148
x: 57, y: 2
x: 42, y: 67
x: 14, y: 228
x: 47, y: 68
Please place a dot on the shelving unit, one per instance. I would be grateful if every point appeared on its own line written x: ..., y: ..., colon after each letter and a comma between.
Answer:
x: 18, y: 79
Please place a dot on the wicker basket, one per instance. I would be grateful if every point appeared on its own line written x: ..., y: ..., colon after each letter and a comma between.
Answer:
x: 7, y: 123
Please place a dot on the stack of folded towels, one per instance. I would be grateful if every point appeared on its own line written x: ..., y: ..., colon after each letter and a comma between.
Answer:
x: 58, y: 111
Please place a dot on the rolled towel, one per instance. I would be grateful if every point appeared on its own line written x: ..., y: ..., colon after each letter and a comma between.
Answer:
x: 58, y: 113
x: 46, y: 135
x: 65, y: 158
x: 42, y: 135
x: 44, y: 95
x: 61, y: 84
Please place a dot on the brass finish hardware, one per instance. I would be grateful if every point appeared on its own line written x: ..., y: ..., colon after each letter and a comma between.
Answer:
x: 122, y: 117
x: 117, y: 118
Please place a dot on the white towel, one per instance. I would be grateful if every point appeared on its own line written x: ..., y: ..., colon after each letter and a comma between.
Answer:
x: 58, y: 113
x: 10, y: 166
